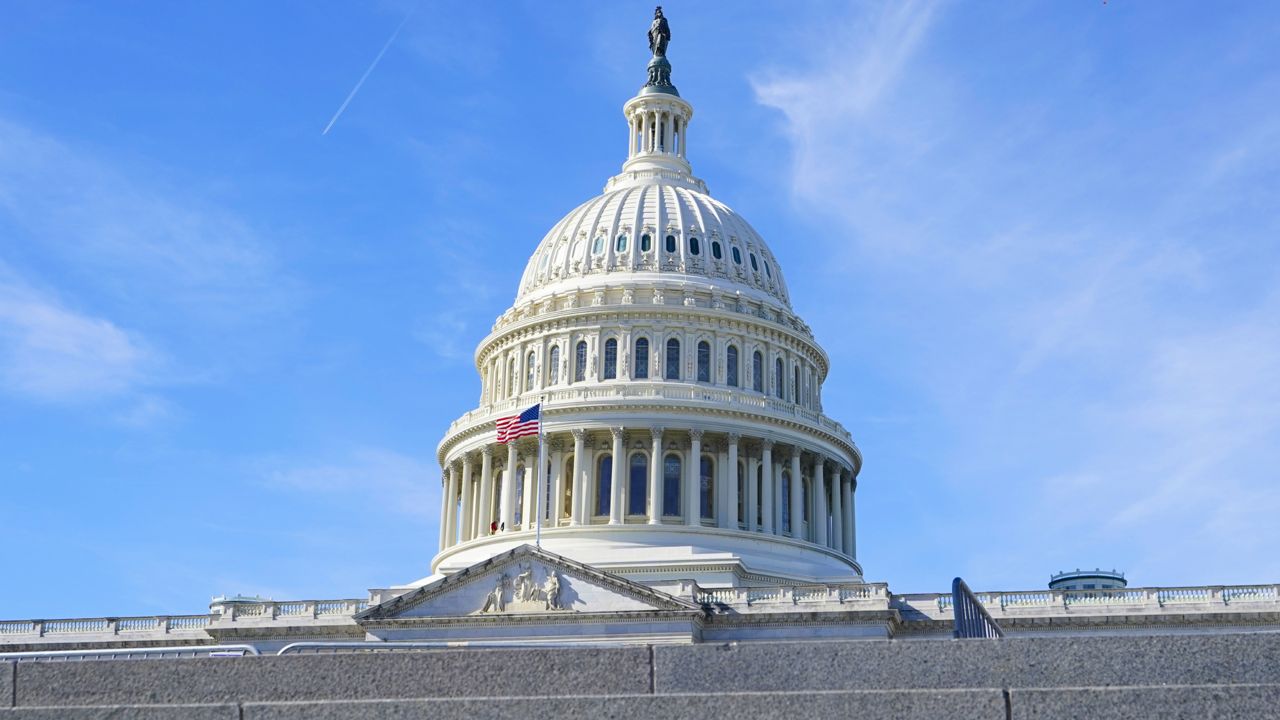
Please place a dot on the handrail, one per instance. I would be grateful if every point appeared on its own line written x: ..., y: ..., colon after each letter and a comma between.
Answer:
x: 971, y: 619
x: 151, y: 653
x: 299, y: 648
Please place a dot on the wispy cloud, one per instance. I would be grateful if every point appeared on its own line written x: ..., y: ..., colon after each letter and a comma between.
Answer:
x: 391, y: 480
x: 51, y: 352
x: 1089, y: 303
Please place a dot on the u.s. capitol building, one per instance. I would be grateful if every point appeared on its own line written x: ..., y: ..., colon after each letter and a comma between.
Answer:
x: 692, y: 488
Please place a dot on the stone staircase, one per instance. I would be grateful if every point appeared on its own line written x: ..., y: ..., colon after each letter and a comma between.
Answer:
x: 1201, y: 676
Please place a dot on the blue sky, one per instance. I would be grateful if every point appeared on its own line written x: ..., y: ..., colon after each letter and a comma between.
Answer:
x: 1040, y: 241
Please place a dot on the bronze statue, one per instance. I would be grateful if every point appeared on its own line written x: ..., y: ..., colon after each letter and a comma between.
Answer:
x: 659, y: 34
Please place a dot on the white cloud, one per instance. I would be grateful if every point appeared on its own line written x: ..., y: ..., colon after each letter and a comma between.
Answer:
x: 392, y: 481
x: 50, y: 352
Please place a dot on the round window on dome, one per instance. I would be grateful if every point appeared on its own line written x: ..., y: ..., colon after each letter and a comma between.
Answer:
x: 737, y: 256
x: 621, y: 245
x: 646, y: 243
x: 754, y: 265
x: 716, y: 252
x: 694, y: 248
x: 598, y: 246
x: 671, y: 243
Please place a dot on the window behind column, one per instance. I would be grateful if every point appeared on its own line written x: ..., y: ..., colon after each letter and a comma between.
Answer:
x: 704, y: 361
x: 757, y: 372
x: 671, y: 477
x: 673, y: 359
x: 731, y: 366
x: 553, y: 369
x: 786, y: 501
x: 604, y: 478
x: 637, y: 489
x: 707, y: 478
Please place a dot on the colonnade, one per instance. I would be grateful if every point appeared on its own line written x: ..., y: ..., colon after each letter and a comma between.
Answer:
x: 666, y: 476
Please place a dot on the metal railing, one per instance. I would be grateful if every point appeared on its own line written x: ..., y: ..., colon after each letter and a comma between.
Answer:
x: 971, y: 619
x: 152, y: 653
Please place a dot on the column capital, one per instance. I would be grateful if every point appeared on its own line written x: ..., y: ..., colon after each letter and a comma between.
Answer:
x: 617, y: 432
x: 695, y: 435
x: 734, y: 438
x: 579, y: 434
x: 487, y: 451
x: 656, y: 433
x: 556, y: 445
x: 766, y: 444
x: 466, y: 460
x: 820, y: 460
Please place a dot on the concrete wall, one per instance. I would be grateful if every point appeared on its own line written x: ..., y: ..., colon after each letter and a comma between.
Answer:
x: 1170, y: 677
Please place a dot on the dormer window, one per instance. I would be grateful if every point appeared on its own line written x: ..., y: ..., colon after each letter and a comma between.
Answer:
x: 598, y: 246
x: 716, y: 252
x: 754, y: 265
x: 694, y: 248
x: 737, y: 256
x: 646, y: 243
x: 671, y: 243
x: 621, y: 245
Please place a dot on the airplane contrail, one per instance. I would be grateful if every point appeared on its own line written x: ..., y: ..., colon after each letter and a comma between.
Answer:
x: 365, y: 76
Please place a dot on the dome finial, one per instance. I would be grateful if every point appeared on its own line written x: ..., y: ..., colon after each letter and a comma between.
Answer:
x: 659, y: 68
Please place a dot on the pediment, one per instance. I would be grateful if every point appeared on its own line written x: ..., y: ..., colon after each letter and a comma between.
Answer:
x: 526, y: 581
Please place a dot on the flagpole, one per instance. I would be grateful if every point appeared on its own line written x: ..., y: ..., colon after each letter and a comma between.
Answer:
x: 542, y: 468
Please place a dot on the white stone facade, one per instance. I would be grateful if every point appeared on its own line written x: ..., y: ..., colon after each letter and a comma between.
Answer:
x: 681, y: 395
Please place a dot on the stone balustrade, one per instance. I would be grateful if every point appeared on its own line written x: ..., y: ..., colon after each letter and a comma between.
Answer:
x: 1141, y: 600
x: 667, y: 391
x: 787, y: 598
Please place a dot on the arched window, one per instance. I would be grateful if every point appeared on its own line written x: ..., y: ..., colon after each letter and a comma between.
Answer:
x: 519, y: 508
x: 716, y: 252
x: 580, y: 362
x: 567, y: 501
x: 786, y: 501
x: 671, y: 243
x: 638, y: 485
x: 707, y: 483
x: 671, y: 475
x: 553, y: 369
x: 694, y: 248
x: 795, y: 389
x: 704, y: 361
x: 528, y: 373
x: 604, y: 479
x: 757, y: 372
x: 754, y: 265
x: 759, y: 496
x: 646, y: 243
x: 777, y: 377
x: 610, y: 359
x: 597, y: 247
x: 642, y: 359
x: 731, y: 366
x: 621, y: 245
x: 511, y: 378
x: 804, y: 509
x: 673, y: 360
x: 737, y: 256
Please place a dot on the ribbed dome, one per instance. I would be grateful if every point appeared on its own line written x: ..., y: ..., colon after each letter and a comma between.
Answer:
x: 653, y: 231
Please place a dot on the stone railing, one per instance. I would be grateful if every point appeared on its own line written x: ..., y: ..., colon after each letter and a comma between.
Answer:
x: 781, y: 599
x: 300, y: 612
x: 677, y: 391
x: 1139, y: 600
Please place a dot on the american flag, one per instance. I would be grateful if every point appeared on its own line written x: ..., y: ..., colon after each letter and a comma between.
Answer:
x: 518, y: 426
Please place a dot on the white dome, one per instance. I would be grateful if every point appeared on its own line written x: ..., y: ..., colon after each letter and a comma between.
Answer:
x: 664, y: 228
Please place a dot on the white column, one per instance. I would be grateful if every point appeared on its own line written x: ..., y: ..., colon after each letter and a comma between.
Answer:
x: 729, y: 519
x: 655, y: 477
x: 556, y: 509
x: 766, y: 492
x: 615, y: 483
x: 444, y: 507
x: 837, y: 512
x: 850, y: 518
x: 451, y: 517
x: 468, y: 500
x: 692, y: 496
x: 797, y: 497
x: 486, y: 490
x: 754, y: 474
x: 820, y: 515
x: 529, y: 498
x: 579, y: 465
x: 507, y: 500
